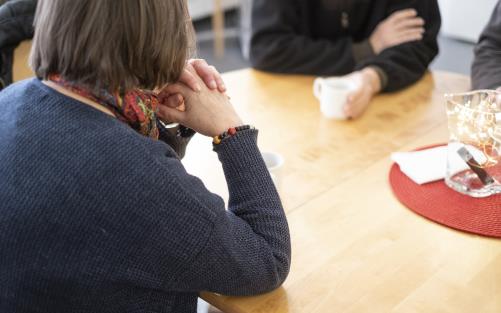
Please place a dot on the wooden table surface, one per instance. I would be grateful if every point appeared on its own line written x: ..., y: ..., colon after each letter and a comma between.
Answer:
x: 355, y: 247
x: 20, y: 68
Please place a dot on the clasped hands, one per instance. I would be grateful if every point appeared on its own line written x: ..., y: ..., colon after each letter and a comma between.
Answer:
x: 198, y: 101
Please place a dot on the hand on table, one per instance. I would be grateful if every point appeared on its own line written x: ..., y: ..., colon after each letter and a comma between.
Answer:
x: 194, y: 70
x: 400, y: 27
x: 207, y: 111
x: 367, y: 84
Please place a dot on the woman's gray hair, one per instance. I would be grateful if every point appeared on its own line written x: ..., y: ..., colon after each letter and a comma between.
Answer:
x: 112, y: 44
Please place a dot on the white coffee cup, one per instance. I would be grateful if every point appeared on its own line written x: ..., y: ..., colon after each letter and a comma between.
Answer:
x: 274, y: 163
x: 332, y: 94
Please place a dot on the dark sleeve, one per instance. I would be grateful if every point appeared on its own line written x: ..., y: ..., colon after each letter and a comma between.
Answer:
x: 407, y: 63
x: 176, y: 136
x: 278, y: 45
x: 486, y: 69
x: 247, y: 250
x: 16, y: 22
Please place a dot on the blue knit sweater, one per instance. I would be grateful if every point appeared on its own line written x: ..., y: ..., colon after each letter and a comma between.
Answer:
x: 96, y: 218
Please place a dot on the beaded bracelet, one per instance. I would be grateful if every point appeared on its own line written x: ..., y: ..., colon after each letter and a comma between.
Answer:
x: 230, y: 133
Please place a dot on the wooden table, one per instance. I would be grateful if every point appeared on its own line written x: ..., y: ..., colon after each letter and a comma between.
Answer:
x: 355, y: 247
x: 218, y: 28
x: 20, y: 68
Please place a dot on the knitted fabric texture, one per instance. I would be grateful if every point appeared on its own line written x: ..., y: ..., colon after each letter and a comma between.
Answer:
x: 97, y: 218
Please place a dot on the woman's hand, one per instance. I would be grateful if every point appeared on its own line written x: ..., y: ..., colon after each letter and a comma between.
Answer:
x: 208, y: 73
x: 400, y: 27
x: 206, y: 111
x: 195, y: 69
x: 367, y: 84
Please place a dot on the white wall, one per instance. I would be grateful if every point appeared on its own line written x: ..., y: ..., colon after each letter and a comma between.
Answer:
x: 465, y: 19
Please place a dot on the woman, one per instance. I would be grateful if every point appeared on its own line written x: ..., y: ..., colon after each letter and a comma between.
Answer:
x: 96, y: 214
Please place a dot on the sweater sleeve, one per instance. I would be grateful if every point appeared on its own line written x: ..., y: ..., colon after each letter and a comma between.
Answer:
x: 277, y: 45
x: 247, y: 249
x: 486, y: 69
x: 406, y: 64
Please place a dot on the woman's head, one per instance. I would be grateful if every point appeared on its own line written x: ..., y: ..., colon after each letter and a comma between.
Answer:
x: 112, y: 44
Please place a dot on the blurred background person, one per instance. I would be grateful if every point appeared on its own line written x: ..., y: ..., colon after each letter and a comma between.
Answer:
x: 486, y: 69
x: 382, y: 45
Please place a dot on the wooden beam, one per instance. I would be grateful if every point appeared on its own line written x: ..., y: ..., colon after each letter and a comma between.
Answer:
x: 218, y: 28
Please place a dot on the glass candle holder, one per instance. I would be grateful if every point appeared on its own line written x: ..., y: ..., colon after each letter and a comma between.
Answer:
x: 473, y: 157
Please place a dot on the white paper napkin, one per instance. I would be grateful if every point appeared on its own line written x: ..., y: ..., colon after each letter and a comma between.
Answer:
x: 428, y: 165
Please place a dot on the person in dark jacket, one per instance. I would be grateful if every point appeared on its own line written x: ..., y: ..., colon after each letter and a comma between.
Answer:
x: 99, y: 215
x: 382, y: 45
x: 16, y: 25
x: 486, y: 68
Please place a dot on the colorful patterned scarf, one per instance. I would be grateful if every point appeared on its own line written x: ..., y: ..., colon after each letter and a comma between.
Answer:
x: 136, y: 107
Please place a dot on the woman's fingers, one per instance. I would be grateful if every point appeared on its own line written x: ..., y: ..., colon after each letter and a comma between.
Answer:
x: 190, y: 80
x: 175, y: 102
x: 219, y: 80
x: 403, y: 15
x: 174, y: 96
x: 211, y: 77
x: 198, y: 71
x: 205, y: 72
x: 411, y: 23
x: 175, y: 89
x: 171, y: 115
x: 407, y: 36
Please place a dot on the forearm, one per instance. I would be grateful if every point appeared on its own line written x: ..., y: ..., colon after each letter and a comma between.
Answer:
x: 249, y: 247
x: 249, y: 182
x: 363, y: 50
x: 406, y: 63
x: 298, y: 54
x: 254, y: 200
x: 238, y: 262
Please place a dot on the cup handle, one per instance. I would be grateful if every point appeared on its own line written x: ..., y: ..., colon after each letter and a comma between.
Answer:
x: 317, y: 88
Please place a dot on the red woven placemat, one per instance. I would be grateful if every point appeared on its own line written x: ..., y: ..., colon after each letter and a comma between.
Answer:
x: 441, y: 204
